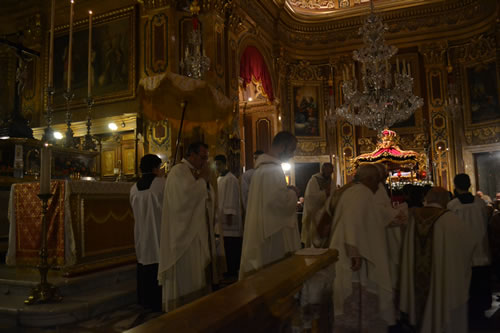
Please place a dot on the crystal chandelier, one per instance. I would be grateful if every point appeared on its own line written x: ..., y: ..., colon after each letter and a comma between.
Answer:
x: 384, y: 98
x: 195, y: 62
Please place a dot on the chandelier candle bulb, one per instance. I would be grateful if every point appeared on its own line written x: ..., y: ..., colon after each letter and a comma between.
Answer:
x: 70, y: 46
x: 45, y: 164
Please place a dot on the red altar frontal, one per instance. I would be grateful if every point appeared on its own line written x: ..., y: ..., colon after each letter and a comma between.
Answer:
x: 90, y: 225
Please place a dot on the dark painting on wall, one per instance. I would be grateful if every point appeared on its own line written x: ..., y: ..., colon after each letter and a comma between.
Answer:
x: 112, y: 69
x: 307, y: 107
x: 483, y: 93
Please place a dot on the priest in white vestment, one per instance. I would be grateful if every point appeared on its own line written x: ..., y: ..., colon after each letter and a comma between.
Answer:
x: 246, y: 178
x: 187, y: 238
x: 271, y: 228
x: 317, y: 191
x: 229, y: 214
x: 436, y: 267
x: 146, y: 200
x: 362, y: 289
x: 392, y: 219
x: 473, y: 211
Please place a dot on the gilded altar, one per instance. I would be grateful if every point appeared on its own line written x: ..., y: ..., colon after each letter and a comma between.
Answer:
x: 91, y: 225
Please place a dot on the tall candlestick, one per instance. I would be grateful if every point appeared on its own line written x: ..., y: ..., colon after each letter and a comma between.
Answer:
x: 51, y: 44
x: 89, y: 88
x: 45, y: 169
x: 70, y: 46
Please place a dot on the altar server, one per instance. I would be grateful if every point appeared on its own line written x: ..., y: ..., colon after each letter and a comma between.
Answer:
x: 271, y: 228
x: 317, y: 190
x: 146, y: 199
x: 187, y: 237
x: 229, y: 214
x: 473, y: 211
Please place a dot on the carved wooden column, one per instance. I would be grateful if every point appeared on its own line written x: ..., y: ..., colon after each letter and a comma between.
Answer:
x: 442, y: 147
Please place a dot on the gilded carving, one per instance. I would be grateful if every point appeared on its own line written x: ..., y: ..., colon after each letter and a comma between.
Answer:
x: 311, y: 148
x: 479, y: 48
x: 433, y: 53
x: 484, y: 135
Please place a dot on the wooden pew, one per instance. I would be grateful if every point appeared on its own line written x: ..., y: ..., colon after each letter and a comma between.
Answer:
x: 263, y: 302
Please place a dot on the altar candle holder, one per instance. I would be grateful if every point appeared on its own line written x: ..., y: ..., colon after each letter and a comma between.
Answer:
x: 70, y: 142
x: 44, y: 292
x: 48, y: 135
x: 89, y: 144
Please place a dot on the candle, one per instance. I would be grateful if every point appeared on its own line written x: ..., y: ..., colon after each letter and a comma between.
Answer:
x: 409, y: 70
x: 89, y: 88
x: 397, y: 65
x: 45, y: 168
x: 404, y: 66
x: 51, y: 44
x: 353, y: 71
x: 70, y: 46
x: 343, y: 74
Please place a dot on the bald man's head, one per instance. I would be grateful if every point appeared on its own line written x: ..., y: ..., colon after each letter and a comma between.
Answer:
x: 382, y: 170
x: 368, y: 175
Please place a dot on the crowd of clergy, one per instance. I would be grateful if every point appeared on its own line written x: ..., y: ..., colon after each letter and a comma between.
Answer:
x: 423, y: 265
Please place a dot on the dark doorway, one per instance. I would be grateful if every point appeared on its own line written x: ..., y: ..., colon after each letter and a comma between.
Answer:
x: 487, y: 172
x: 303, y: 172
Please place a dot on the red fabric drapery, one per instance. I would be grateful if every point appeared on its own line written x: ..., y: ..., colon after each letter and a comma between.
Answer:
x: 252, y: 65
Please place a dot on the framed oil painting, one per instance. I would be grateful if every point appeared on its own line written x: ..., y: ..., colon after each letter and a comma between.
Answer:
x: 482, y: 94
x: 113, y: 59
x: 306, y: 100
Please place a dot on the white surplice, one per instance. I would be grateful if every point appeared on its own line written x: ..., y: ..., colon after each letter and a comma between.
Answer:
x: 356, y: 229
x: 314, y: 200
x: 475, y: 214
x: 386, y: 214
x: 186, y: 236
x: 147, y: 207
x: 228, y: 199
x: 271, y: 230
x: 246, y: 178
x: 446, y: 304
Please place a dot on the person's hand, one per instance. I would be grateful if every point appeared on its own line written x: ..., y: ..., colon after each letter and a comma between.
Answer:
x: 355, y: 264
x: 205, y: 172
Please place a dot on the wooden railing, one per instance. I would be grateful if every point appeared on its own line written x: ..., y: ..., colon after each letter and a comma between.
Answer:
x: 263, y: 302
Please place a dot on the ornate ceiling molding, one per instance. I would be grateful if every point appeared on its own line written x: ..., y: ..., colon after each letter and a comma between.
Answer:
x: 425, y: 18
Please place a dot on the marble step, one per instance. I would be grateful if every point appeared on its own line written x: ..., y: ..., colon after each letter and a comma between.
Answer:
x: 84, y: 297
x: 13, y: 282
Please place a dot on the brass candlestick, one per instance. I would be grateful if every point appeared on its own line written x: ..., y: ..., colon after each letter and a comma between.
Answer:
x: 44, y: 292
x: 70, y: 142
x: 48, y: 135
x: 88, y: 142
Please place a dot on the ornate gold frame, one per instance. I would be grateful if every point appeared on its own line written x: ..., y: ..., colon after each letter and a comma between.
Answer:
x: 321, y: 107
x: 130, y: 92
x: 467, y: 109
